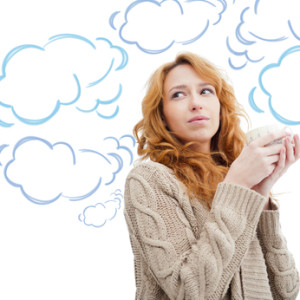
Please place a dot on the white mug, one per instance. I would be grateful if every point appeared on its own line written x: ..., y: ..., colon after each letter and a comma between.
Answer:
x: 264, y: 130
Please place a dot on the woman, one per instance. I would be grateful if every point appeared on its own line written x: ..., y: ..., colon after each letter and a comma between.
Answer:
x: 201, y: 220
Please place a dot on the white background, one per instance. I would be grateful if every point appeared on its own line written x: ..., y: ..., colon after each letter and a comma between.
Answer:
x: 62, y: 235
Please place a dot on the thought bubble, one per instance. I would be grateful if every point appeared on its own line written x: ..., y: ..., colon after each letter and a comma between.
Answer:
x: 279, y: 82
x: 262, y: 26
x: 99, y: 214
x: 69, y: 70
x: 45, y: 172
x: 154, y: 26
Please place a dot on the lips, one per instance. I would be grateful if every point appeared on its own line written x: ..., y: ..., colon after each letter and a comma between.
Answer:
x: 198, y: 118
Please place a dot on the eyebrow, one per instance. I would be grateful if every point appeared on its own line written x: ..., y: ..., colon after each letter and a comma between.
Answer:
x: 183, y: 86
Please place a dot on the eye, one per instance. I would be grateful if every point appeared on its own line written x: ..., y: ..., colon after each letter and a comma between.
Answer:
x: 207, y: 91
x: 177, y: 95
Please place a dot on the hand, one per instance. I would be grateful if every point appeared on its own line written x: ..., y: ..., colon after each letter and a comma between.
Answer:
x: 256, y: 161
x: 288, y: 155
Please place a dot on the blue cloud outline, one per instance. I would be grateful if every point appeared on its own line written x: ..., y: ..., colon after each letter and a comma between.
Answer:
x: 248, y: 42
x: 117, y: 200
x: 124, y: 54
x: 279, y: 39
x: 159, y: 3
x: 243, y: 53
x: 114, y: 155
x: 5, y: 124
x: 2, y: 147
x: 293, y: 31
x: 8, y: 57
x: 60, y: 102
x: 113, y: 115
x: 50, y: 146
x: 223, y: 2
x: 104, y: 102
x: 279, y: 117
x: 252, y: 102
x: 82, y: 197
x: 106, y: 157
x: 27, y: 196
x: 122, y: 147
x: 133, y: 4
x: 112, y: 18
x: 129, y: 136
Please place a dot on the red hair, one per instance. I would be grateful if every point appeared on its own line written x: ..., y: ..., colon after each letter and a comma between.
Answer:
x: 199, y: 172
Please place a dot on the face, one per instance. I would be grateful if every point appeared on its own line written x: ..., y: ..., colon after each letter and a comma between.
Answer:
x: 191, y: 108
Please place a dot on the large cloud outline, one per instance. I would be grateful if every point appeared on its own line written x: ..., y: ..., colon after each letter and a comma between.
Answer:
x: 99, y: 214
x: 160, y: 24
x: 279, y: 82
x: 263, y: 24
x: 2, y: 147
x: 46, y: 172
x: 52, y: 76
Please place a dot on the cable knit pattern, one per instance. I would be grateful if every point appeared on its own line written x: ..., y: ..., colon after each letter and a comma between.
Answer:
x: 183, y: 251
x: 283, y: 276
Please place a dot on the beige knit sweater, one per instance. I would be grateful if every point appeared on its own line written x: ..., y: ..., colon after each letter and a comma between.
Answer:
x: 184, y: 251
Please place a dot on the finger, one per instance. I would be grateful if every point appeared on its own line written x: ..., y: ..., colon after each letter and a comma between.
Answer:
x: 272, y: 149
x: 281, y: 163
x: 270, y: 137
x: 297, y: 146
x: 282, y: 159
x: 290, y: 156
x: 273, y: 159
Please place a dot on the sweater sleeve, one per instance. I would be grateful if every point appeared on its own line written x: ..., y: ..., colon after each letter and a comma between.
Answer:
x: 186, y: 267
x: 282, y: 272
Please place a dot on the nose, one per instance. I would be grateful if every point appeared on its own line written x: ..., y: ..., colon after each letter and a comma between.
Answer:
x: 196, y: 102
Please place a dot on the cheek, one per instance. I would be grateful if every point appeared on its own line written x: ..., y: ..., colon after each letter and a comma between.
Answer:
x: 169, y: 112
x: 218, y: 113
x: 219, y: 110
x: 168, y: 120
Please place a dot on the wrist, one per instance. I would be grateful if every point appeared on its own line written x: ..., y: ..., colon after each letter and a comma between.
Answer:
x: 262, y: 189
x: 234, y: 180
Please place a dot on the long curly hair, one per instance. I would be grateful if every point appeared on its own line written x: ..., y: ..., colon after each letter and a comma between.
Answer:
x: 199, y: 172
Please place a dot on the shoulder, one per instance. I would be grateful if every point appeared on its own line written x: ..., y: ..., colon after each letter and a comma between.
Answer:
x: 155, y: 176
x: 150, y: 168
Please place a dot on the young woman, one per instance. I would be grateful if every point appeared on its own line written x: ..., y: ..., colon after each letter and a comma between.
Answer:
x: 201, y: 220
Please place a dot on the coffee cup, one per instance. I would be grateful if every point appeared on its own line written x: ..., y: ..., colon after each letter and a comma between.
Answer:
x: 264, y: 130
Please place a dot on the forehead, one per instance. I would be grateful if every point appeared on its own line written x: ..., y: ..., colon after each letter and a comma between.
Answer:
x: 182, y: 74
